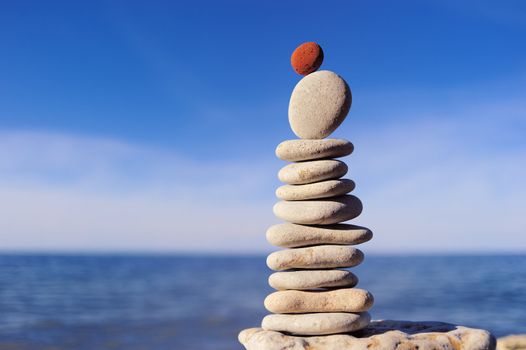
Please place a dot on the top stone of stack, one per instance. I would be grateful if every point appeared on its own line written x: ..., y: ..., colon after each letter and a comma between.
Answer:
x: 321, y: 100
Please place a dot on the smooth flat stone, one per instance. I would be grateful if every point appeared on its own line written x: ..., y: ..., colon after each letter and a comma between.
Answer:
x: 378, y: 335
x: 319, y: 211
x: 323, y: 189
x: 289, y: 235
x: 316, y: 324
x: 312, y: 171
x: 298, y: 150
x: 318, y: 257
x: 318, y: 105
x: 300, y: 302
x: 312, y: 279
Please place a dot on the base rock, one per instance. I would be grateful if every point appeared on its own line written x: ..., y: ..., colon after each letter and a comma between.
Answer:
x: 379, y: 335
x: 512, y: 342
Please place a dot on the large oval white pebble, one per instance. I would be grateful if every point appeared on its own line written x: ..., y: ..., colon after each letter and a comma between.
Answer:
x: 319, y: 104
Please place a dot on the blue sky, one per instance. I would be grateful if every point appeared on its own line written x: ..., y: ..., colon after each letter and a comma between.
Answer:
x: 151, y: 125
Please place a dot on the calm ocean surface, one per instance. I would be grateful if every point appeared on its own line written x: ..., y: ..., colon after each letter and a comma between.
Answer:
x: 171, y: 302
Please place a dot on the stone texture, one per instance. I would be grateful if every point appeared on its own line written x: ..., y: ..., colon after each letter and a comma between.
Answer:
x: 318, y: 105
x: 289, y: 235
x: 300, y: 302
x: 316, y: 324
x: 312, y: 171
x: 299, y: 150
x: 512, y: 342
x: 379, y: 335
x: 312, y: 279
x: 319, y: 211
x: 307, y: 58
x: 323, y: 189
x: 318, y: 257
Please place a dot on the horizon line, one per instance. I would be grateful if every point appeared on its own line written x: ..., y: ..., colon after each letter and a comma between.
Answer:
x: 234, y: 254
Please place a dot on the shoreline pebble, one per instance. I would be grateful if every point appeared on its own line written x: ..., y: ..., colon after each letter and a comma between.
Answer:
x: 318, y: 105
x: 317, y: 257
x: 300, y: 302
x: 317, y: 190
x: 319, y: 211
x: 301, y: 150
x: 316, y: 324
x: 288, y: 235
x: 312, y: 171
x: 312, y: 279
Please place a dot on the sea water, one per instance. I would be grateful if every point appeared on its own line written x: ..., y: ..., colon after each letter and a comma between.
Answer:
x: 202, y: 302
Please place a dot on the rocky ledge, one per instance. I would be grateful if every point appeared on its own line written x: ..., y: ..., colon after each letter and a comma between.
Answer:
x: 379, y: 335
x: 512, y: 342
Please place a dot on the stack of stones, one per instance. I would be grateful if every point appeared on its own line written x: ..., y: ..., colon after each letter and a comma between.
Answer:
x: 315, y: 294
x: 316, y: 306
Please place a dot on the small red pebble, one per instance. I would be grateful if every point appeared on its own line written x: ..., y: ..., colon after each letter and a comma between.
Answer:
x: 307, y: 58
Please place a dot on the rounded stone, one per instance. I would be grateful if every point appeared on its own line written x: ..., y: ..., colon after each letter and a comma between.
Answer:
x: 299, y: 150
x: 289, y: 235
x: 312, y: 279
x: 307, y: 58
x: 318, y: 105
x: 316, y: 324
x: 319, y: 211
x: 323, y: 189
x: 313, y: 171
x: 317, y: 257
x: 300, y: 302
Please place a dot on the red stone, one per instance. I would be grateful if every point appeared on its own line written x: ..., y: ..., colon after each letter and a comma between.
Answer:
x: 307, y: 58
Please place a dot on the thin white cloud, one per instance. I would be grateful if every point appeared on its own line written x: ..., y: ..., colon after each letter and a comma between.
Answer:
x: 433, y: 183
x: 68, y: 192
x: 447, y: 183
